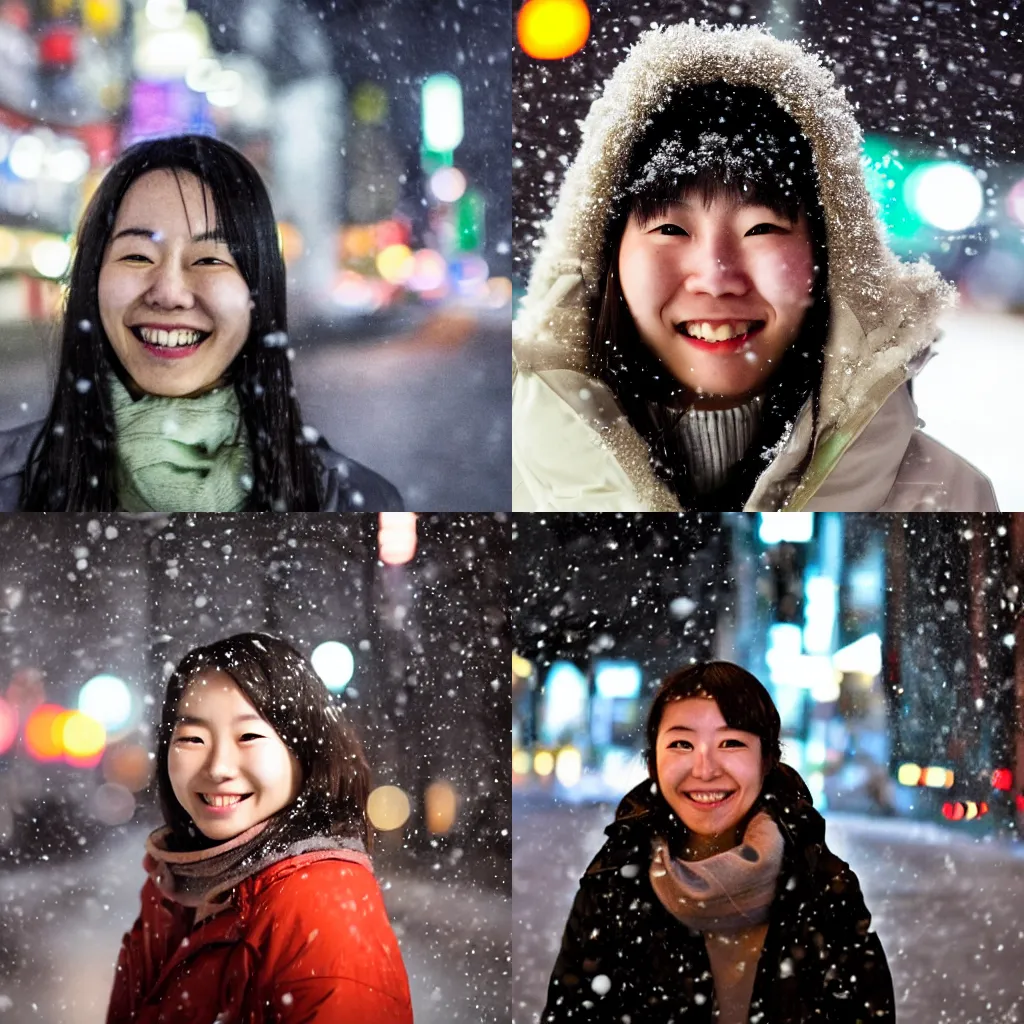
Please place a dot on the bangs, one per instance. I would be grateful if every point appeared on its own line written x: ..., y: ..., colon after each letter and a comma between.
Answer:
x: 716, y: 142
x: 657, y: 201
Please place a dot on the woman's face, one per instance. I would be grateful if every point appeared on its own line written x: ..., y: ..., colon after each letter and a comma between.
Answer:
x: 718, y: 292
x: 709, y: 774
x: 228, y: 768
x: 172, y: 300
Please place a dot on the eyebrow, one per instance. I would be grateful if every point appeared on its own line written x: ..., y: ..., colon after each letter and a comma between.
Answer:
x: 686, y: 728
x: 192, y: 720
x: 206, y: 236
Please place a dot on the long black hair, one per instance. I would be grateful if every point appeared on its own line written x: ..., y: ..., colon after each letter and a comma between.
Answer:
x: 71, y: 466
x: 282, y: 686
x: 764, y: 159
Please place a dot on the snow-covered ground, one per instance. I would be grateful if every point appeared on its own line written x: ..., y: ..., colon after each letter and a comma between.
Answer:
x: 949, y: 910
x: 970, y: 397
x: 61, y: 928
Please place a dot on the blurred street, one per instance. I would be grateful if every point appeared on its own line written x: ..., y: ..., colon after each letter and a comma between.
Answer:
x: 421, y: 398
x: 61, y: 927
x: 946, y: 908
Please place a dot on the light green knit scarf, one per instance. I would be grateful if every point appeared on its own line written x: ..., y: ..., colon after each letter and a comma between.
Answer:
x: 180, y: 454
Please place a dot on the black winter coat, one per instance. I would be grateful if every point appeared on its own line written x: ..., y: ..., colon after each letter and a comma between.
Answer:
x: 348, y: 485
x: 626, y: 960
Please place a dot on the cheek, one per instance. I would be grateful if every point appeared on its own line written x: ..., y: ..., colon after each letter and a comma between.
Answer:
x: 786, y: 278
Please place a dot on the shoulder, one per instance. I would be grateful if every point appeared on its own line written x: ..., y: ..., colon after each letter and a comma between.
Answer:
x: 561, y: 458
x: 933, y: 478
x: 15, y: 444
x: 350, y: 486
x: 324, y: 939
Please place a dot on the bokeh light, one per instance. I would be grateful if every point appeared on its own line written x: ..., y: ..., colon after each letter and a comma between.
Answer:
x: 388, y: 808
x: 553, y: 29
x: 42, y: 740
x: 8, y: 725
x: 946, y: 195
x: 108, y: 699
x: 334, y: 663
x: 440, y: 802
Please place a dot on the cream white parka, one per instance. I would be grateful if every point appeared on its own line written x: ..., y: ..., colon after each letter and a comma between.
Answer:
x: 574, y: 450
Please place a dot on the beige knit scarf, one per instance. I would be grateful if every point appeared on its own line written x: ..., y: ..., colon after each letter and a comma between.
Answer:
x: 725, y: 893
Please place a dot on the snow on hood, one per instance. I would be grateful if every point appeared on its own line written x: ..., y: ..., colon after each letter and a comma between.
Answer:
x: 884, y: 312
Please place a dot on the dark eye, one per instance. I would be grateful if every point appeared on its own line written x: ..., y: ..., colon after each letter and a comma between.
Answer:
x: 212, y: 260
x: 766, y: 228
x: 252, y: 736
x: 135, y: 257
x: 188, y: 739
x: 682, y: 744
x: 669, y: 229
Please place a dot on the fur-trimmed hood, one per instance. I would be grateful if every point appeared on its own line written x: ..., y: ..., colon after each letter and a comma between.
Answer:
x: 883, y: 312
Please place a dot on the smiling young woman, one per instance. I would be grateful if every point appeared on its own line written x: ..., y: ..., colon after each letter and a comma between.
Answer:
x: 715, y: 897
x: 174, y: 390
x: 261, y: 902
x: 714, y: 319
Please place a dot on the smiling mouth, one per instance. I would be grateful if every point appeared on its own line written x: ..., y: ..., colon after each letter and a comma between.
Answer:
x: 710, y: 799
x: 718, y: 331
x: 178, y: 340
x: 223, y: 799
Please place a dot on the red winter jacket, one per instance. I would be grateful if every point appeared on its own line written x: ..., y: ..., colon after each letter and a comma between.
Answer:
x: 306, y: 941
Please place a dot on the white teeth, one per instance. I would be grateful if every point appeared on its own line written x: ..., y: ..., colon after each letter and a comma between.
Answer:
x: 702, y: 329
x: 169, y: 339
x: 221, y: 801
x: 707, y: 798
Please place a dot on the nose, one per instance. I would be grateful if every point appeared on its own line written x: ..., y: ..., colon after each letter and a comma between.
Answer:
x: 220, y: 765
x: 715, y: 267
x: 169, y: 287
x: 705, y: 766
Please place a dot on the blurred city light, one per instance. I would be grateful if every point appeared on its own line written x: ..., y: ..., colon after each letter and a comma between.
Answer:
x: 1015, y: 202
x: 1002, y: 779
x: 430, y: 271
x: 129, y: 765
x: 8, y: 726
x: 521, y: 667
x: 794, y: 527
x: 42, y: 740
x: 543, y: 763
x: 565, y: 697
x: 388, y: 808
x: 863, y: 656
x: 395, y: 263
x: 619, y: 679
x: 112, y: 804
x: 440, y: 802
x: 26, y: 157
x: 521, y: 761
x: 947, y: 195
x: 909, y: 774
x: 442, y: 113
x: 108, y: 699
x: 396, y: 537
x: 166, y: 14
x: 334, y: 663
x: 448, y: 184
x: 553, y: 29
x: 568, y: 766
x: 937, y: 778
x: 51, y: 257
x: 83, y: 737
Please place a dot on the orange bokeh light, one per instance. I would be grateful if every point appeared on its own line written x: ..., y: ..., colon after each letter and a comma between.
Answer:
x: 553, y: 29
x: 43, y: 732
